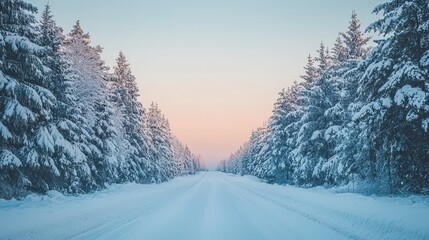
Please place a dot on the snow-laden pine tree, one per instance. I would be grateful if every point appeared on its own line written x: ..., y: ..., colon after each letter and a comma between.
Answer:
x: 234, y: 163
x: 130, y: 117
x: 181, y: 157
x: 186, y: 162
x: 68, y: 128
x: 263, y: 157
x: 25, y: 103
x: 312, y: 149
x: 90, y: 78
x: 90, y: 68
x: 349, y: 50
x: 282, y: 130
x: 256, y: 165
x: 394, y: 90
x: 161, y: 139
x: 106, y: 159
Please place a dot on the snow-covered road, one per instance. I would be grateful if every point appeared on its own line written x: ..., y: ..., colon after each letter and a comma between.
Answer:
x: 214, y: 205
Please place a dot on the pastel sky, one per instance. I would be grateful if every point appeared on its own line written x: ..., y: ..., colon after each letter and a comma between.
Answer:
x: 214, y: 67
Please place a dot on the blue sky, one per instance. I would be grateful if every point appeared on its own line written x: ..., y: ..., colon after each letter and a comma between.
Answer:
x: 214, y: 67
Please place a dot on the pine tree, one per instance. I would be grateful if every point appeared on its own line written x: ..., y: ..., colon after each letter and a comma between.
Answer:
x: 186, y: 162
x: 281, y: 130
x: 394, y: 93
x: 89, y: 68
x: 337, y: 89
x: 90, y: 80
x: 339, y: 51
x: 25, y: 104
x: 131, y: 119
x: 340, y: 131
x: 354, y: 39
x: 160, y: 135
x: 234, y: 163
x: 310, y: 149
x: 68, y: 126
x: 323, y: 59
x: 179, y: 155
x: 50, y: 34
x: 310, y: 71
x: 255, y: 165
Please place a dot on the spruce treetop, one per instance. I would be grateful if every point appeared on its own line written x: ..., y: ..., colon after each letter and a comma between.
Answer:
x: 78, y: 33
x: 354, y: 39
x: 323, y: 59
x: 310, y: 71
x: 51, y: 36
x: 339, y: 52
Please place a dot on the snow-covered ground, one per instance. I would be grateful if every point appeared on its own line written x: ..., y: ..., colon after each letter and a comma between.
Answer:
x: 214, y: 205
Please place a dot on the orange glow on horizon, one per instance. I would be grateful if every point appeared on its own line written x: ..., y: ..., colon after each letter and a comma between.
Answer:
x: 214, y: 121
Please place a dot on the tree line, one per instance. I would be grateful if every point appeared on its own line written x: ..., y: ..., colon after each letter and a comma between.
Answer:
x: 358, y: 115
x: 69, y: 123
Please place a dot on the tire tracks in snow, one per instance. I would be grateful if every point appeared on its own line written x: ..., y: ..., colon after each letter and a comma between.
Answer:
x: 308, y: 216
x: 108, y: 228
x: 356, y: 227
x: 257, y: 206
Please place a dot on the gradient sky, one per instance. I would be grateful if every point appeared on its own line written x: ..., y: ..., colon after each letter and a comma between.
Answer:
x: 214, y: 67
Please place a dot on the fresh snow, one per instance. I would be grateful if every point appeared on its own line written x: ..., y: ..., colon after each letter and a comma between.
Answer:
x: 4, y: 132
x: 415, y: 95
x: 22, y: 42
x: 9, y: 159
x: 214, y: 205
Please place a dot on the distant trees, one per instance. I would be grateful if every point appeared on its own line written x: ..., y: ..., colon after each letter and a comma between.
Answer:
x: 359, y: 115
x: 66, y: 122
x: 160, y: 135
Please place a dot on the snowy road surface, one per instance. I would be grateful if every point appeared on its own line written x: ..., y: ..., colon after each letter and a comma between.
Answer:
x: 214, y: 205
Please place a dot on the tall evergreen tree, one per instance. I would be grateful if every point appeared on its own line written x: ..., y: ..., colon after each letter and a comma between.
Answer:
x: 25, y: 103
x: 341, y: 131
x: 160, y: 135
x: 131, y: 118
x: 90, y: 69
x: 282, y: 129
x: 90, y: 78
x: 68, y: 126
x: 394, y: 90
